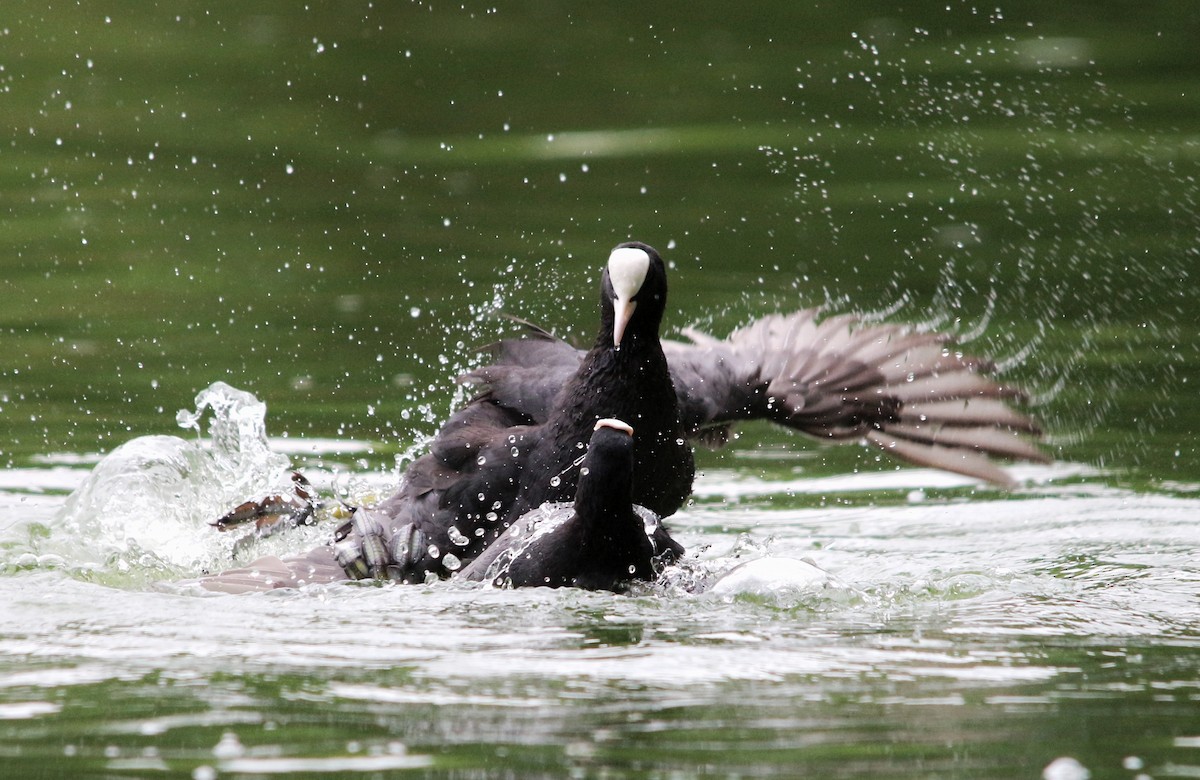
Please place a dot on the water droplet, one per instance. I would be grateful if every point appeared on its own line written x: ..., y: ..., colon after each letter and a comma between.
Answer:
x: 555, y: 481
x: 451, y: 562
x: 229, y: 746
x: 458, y: 537
x: 481, y: 460
x: 632, y: 569
x: 1065, y: 768
x: 433, y: 551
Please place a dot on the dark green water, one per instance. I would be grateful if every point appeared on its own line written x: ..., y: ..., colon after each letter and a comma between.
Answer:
x: 320, y: 204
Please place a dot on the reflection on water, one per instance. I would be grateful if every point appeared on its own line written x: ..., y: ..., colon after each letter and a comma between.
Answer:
x: 323, y: 204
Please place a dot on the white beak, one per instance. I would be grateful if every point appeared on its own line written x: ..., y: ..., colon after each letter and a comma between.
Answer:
x: 627, y: 269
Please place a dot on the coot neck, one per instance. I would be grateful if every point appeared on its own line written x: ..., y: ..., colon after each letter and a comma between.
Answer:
x: 604, y: 497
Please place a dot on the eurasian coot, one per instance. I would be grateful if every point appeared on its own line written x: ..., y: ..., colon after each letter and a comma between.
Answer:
x: 600, y: 541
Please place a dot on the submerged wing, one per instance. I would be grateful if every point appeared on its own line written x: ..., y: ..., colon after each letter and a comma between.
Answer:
x: 909, y: 392
x: 316, y: 567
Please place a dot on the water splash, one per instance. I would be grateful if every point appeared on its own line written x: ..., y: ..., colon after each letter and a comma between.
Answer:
x: 147, y: 505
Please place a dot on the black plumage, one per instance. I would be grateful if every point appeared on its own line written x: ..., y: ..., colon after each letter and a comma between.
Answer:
x: 598, y: 542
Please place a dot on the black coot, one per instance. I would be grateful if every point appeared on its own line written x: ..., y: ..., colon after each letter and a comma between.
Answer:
x: 520, y: 442
x: 600, y: 541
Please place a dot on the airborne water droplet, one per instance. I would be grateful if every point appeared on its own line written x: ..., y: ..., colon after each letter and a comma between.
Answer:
x: 451, y: 562
x: 555, y: 481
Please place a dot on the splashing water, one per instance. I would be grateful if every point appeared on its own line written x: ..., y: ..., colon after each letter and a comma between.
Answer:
x: 147, y: 505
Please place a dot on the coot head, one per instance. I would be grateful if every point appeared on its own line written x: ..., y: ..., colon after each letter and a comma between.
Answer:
x: 633, y: 293
x: 606, y: 477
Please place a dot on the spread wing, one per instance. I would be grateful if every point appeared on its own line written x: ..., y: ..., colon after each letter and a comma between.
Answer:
x: 912, y: 393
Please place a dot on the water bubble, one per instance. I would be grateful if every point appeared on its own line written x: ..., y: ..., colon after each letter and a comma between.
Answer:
x: 229, y: 746
x: 1065, y: 768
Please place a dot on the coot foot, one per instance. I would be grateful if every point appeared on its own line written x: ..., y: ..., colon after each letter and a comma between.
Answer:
x: 367, y: 547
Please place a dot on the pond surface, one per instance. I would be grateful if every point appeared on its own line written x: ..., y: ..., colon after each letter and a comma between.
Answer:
x: 326, y: 206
